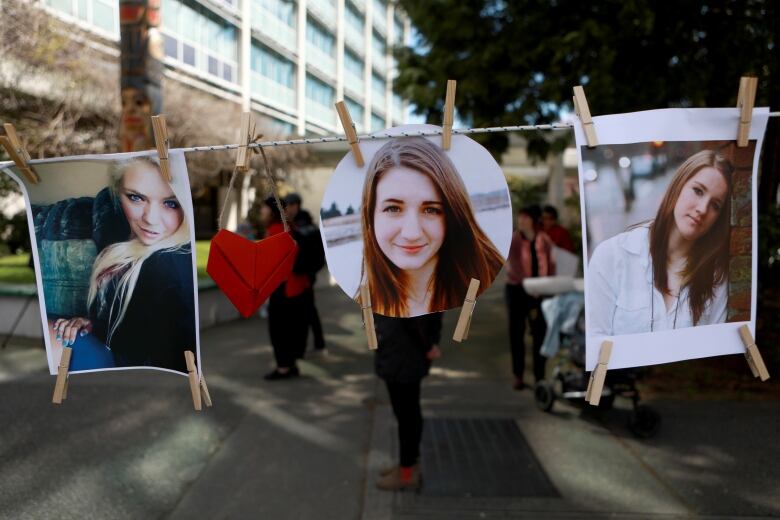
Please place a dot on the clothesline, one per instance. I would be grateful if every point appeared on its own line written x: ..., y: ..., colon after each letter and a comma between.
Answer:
x: 383, y: 135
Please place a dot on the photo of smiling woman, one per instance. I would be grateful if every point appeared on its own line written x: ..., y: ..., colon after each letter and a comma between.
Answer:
x: 669, y: 272
x: 422, y: 244
x: 140, y: 301
x: 112, y: 242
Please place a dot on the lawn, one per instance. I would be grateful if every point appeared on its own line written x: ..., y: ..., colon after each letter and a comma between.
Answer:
x: 13, y: 268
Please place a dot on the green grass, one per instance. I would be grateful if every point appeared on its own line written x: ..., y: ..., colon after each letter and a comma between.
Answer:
x: 13, y: 268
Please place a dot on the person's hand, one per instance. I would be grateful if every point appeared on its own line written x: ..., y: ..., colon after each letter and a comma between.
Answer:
x: 434, y: 353
x: 67, y: 330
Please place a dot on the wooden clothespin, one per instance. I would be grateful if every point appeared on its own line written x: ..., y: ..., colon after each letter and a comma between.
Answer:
x: 752, y: 354
x: 596, y: 382
x: 351, y: 133
x: 192, y: 372
x: 18, y: 153
x: 368, y: 317
x: 746, y: 99
x: 449, y: 115
x: 583, y: 112
x: 61, y: 386
x: 247, y: 134
x: 160, y: 130
x: 464, y: 320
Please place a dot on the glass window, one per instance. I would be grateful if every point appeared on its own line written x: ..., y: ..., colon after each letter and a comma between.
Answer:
x: 209, y: 42
x: 378, y: 44
x: 319, y: 92
x: 354, y: 18
x: 189, y: 55
x: 377, y: 123
x: 272, y: 66
x: 353, y: 63
x: 213, y: 66
x: 378, y: 85
x: 399, y: 31
x: 103, y: 16
x: 380, y: 8
x: 320, y: 37
x: 355, y: 110
x: 284, y: 10
x: 171, y: 47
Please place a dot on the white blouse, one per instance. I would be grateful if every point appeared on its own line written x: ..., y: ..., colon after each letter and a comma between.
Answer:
x: 620, y: 291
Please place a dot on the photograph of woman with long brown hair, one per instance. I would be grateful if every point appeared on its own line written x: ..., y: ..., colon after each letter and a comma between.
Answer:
x: 422, y: 243
x: 117, y: 267
x: 669, y: 272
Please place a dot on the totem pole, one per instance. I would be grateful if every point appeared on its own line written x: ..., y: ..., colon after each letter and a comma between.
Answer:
x: 142, y: 70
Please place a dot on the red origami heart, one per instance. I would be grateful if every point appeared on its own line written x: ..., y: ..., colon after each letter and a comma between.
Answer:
x: 248, y: 272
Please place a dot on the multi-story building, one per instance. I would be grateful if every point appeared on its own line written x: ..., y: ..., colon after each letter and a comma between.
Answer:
x: 290, y: 60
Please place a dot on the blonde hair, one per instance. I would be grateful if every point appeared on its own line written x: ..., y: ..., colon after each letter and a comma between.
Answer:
x: 125, y: 259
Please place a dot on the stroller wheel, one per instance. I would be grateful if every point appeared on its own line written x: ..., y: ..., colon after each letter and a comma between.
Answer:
x: 644, y: 422
x: 544, y: 396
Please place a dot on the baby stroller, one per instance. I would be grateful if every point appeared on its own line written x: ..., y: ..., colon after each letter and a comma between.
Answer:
x: 568, y: 379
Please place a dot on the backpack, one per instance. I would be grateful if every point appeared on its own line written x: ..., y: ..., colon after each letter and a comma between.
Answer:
x: 311, y: 253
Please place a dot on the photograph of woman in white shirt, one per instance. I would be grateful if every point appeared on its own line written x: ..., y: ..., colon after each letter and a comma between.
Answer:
x: 669, y: 272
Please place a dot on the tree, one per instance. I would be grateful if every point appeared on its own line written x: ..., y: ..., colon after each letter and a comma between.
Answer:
x: 517, y: 61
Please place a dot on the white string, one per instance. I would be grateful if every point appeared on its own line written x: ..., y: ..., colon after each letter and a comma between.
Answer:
x: 384, y: 135
x: 381, y: 135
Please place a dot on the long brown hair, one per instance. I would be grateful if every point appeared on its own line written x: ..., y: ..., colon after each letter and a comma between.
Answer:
x: 466, y: 251
x: 708, y: 258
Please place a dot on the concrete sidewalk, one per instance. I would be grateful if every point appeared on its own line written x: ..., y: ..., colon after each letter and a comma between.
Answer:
x: 128, y: 445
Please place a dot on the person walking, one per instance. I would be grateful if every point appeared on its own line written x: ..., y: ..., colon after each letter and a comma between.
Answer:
x: 287, y: 308
x: 407, y: 346
x: 309, y: 240
x: 529, y: 256
x: 557, y: 233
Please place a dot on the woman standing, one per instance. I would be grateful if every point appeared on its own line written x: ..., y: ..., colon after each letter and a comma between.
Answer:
x: 529, y: 256
x: 671, y: 272
x: 406, y: 348
x: 288, y: 307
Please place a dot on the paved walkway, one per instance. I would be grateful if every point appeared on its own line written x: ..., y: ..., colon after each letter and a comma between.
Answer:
x: 129, y: 445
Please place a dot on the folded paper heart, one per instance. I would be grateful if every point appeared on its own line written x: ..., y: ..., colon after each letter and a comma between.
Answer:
x: 247, y: 271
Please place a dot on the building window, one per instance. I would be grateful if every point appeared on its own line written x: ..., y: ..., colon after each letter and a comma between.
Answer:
x: 378, y: 86
x: 377, y: 123
x: 380, y: 9
x: 399, y: 31
x: 273, y: 66
x: 100, y: 14
x: 378, y: 46
x: 199, y: 38
x: 284, y: 10
x: 353, y: 18
x: 355, y: 110
x: 320, y: 37
x: 353, y: 63
x: 319, y: 92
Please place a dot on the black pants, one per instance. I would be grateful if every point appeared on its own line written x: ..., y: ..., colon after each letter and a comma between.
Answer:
x: 405, y: 399
x: 522, y: 306
x: 288, y: 324
x: 314, y: 321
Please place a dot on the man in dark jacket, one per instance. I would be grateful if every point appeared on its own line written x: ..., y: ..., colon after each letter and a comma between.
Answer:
x: 406, y: 348
x: 302, y: 222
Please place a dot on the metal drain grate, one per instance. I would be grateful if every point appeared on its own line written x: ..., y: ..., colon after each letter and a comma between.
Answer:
x: 480, y: 458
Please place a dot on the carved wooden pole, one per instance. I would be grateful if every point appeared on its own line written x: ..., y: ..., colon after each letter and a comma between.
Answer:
x: 142, y: 70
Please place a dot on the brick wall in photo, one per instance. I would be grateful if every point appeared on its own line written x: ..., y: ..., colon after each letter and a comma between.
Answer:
x: 741, y: 249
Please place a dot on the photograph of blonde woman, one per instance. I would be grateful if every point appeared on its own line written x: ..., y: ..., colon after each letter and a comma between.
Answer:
x: 423, y: 231
x: 668, y: 268
x: 115, y: 262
